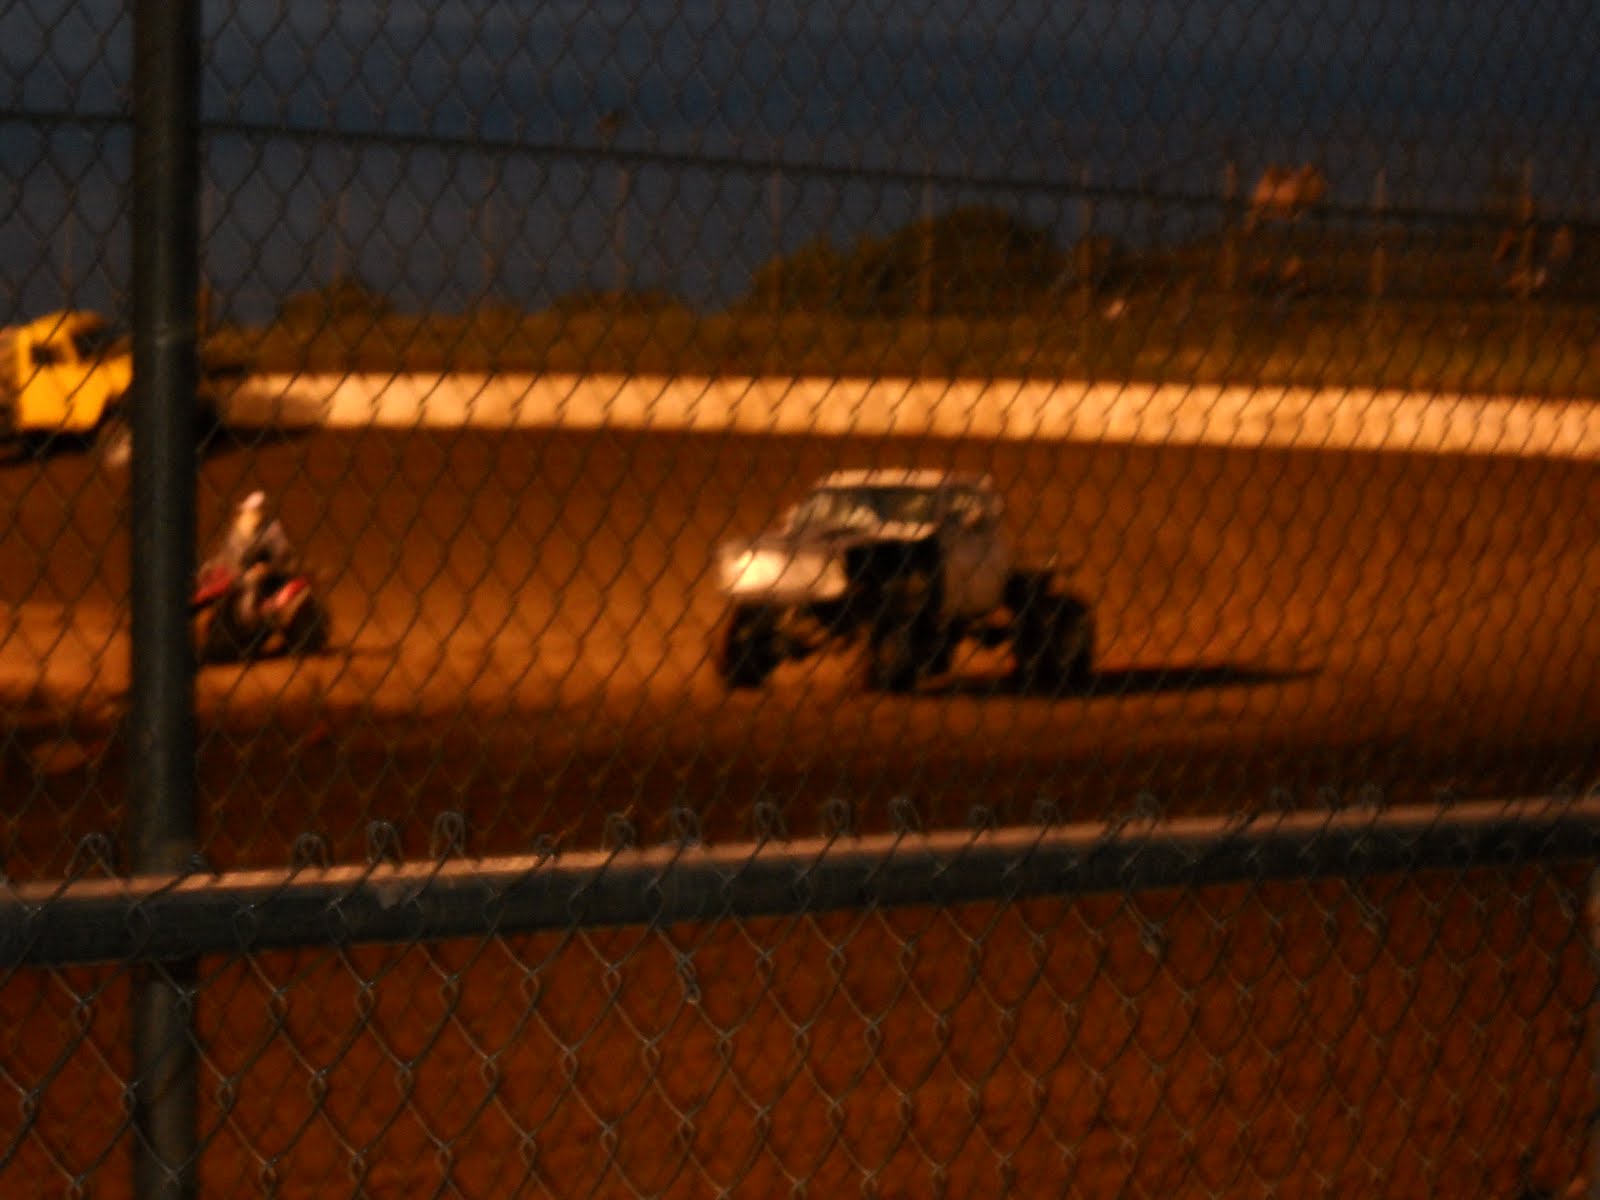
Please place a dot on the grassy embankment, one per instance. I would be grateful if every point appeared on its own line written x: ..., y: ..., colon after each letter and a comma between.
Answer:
x: 1445, y: 321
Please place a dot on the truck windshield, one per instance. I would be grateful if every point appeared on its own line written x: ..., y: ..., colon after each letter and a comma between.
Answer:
x: 94, y: 341
x: 856, y: 508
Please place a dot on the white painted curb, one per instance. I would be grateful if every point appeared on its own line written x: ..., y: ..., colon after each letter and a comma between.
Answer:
x: 1008, y: 410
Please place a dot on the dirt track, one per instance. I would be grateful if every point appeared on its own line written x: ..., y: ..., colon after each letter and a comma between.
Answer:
x: 527, y: 645
x: 523, y: 622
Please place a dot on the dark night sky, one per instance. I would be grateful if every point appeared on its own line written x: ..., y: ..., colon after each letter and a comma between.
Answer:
x: 1438, y: 94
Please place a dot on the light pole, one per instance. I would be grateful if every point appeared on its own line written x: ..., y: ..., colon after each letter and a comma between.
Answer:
x: 486, y: 231
x: 609, y: 127
x: 775, y: 216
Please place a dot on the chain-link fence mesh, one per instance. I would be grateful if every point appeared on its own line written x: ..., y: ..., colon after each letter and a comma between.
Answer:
x: 1416, y: 1033
x: 703, y: 416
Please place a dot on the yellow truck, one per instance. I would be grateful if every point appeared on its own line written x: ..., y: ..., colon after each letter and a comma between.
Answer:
x: 66, y: 374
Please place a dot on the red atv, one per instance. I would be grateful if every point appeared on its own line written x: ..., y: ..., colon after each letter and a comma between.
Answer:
x: 256, y: 613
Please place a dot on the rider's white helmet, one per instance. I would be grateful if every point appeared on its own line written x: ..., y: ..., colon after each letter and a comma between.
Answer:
x: 250, y: 513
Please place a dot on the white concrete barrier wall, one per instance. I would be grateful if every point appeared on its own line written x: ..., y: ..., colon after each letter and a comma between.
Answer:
x: 1196, y: 414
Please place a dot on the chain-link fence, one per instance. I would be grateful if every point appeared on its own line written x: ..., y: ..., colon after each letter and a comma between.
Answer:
x: 1157, y: 443
x: 773, y: 1017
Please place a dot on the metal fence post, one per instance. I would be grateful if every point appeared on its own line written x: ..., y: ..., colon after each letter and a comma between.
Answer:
x: 1591, y: 1163
x: 165, y: 280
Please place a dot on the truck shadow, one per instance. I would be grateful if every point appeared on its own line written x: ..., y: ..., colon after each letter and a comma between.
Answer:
x: 211, y: 443
x: 1127, y: 681
x: 33, y: 449
x: 220, y: 441
x: 44, y: 733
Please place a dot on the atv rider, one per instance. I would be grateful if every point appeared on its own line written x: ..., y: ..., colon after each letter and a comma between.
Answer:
x: 256, y: 552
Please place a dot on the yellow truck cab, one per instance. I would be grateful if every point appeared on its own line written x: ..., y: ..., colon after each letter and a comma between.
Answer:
x: 64, y: 373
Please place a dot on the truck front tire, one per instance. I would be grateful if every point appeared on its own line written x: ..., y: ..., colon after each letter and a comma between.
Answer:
x: 904, y: 641
x: 747, y: 650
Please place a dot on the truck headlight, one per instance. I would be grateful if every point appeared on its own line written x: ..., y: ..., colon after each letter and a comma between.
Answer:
x: 750, y: 570
x: 800, y: 577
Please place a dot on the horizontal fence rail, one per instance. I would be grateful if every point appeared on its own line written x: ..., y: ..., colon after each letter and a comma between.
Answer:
x: 159, y: 917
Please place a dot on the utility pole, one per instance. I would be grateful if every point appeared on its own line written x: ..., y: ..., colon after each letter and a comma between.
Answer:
x: 340, y: 265
x: 1228, y: 264
x: 620, y: 251
x: 1380, y: 256
x: 203, y: 313
x: 67, y: 255
x: 1525, y: 212
x: 1525, y: 242
x: 927, y: 298
x: 1086, y: 247
x: 486, y: 238
x: 775, y: 214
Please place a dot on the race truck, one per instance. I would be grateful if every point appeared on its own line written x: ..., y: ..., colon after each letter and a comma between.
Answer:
x: 65, y: 373
x: 68, y: 375
x: 906, y: 564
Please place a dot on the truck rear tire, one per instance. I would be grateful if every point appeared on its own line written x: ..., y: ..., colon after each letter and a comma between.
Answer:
x: 895, y: 658
x: 1054, y: 645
